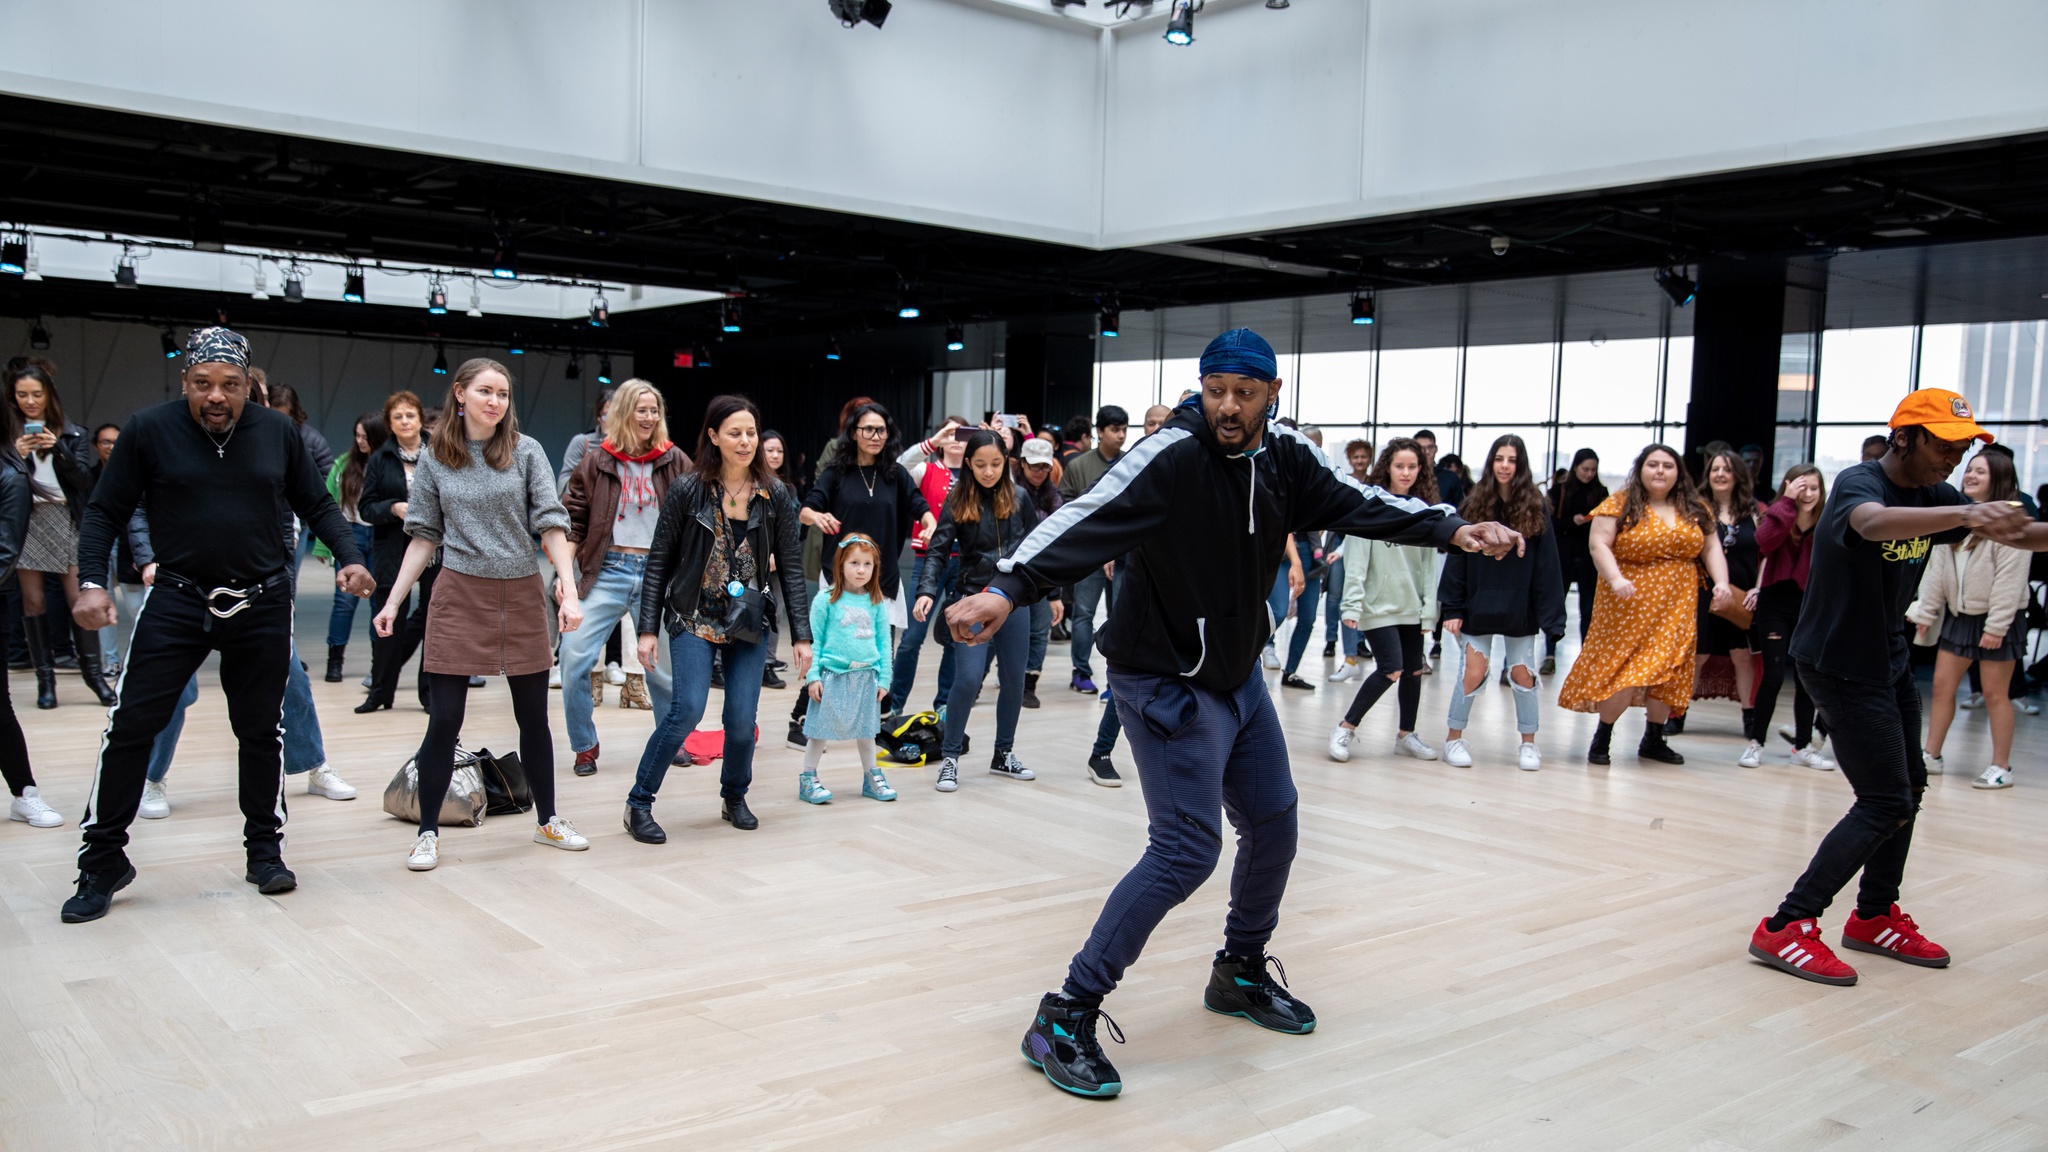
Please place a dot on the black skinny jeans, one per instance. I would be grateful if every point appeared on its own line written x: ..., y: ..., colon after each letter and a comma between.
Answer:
x: 447, y: 698
x: 1877, y: 745
x: 13, y: 746
x: 1398, y: 649
x: 388, y: 654
x: 1777, y: 613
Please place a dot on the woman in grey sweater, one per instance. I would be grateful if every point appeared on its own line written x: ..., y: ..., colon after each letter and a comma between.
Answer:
x: 481, y: 495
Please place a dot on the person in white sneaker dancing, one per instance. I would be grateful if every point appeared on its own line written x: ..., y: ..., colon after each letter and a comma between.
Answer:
x: 480, y: 494
x: 1881, y: 521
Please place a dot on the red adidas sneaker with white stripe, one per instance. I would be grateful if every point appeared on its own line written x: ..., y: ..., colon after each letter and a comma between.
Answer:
x: 1798, y: 949
x: 1893, y: 934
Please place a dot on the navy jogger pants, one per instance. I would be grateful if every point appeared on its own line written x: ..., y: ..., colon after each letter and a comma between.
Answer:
x: 1201, y: 756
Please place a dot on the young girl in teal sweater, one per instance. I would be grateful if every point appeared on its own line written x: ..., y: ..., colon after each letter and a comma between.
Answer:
x: 849, y: 669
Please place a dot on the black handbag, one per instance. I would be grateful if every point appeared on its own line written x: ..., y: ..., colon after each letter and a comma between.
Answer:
x: 505, y: 788
x: 746, y: 615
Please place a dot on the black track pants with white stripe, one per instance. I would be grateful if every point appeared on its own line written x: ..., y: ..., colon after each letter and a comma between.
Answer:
x: 171, y: 640
x: 1201, y: 756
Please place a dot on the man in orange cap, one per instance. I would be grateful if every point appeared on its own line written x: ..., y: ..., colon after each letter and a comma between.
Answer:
x: 1882, y: 518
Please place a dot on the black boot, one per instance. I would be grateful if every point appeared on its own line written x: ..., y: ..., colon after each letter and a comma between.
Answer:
x: 1675, y: 726
x: 334, y: 655
x: 736, y: 813
x: 640, y: 826
x: 39, y: 659
x: 1603, y: 736
x: 1653, y: 746
x: 1031, y: 689
x: 88, y: 645
x: 1241, y: 986
x: 1061, y: 1043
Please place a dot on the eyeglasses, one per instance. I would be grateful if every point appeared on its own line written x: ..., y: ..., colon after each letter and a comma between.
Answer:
x: 875, y: 430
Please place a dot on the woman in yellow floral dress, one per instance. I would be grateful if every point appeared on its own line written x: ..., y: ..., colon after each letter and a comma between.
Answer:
x: 1647, y: 541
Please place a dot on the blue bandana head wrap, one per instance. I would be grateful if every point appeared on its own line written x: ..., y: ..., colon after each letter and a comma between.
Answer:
x: 1242, y: 351
x: 217, y: 346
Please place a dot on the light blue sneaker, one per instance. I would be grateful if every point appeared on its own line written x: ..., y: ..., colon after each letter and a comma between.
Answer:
x: 875, y: 786
x: 810, y: 791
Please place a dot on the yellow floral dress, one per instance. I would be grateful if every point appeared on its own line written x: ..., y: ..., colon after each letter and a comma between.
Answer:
x: 1645, y: 642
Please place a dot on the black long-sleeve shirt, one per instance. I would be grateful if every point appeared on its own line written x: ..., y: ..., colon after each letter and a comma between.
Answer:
x: 213, y: 501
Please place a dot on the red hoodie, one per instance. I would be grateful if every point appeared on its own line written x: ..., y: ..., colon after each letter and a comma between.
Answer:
x: 1787, y: 553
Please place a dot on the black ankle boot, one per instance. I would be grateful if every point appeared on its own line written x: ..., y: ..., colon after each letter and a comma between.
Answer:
x: 736, y: 813
x: 89, y: 666
x: 334, y: 655
x: 39, y: 659
x: 1031, y: 689
x: 1674, y: 726
x: 1603, y: 737
x: 1653, y: 746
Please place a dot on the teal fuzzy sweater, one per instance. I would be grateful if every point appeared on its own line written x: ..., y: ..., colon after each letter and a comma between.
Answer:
x: 849, y: 633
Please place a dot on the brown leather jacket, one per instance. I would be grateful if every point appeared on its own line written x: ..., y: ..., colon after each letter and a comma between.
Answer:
x: 592, y: 498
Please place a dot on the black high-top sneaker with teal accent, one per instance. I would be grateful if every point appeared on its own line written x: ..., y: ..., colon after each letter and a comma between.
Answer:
x: 1241, y: 986
x: 1062, y: 1044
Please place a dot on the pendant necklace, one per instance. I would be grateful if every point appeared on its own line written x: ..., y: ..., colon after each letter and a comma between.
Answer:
x: 220, y: 447
x: 868, y: 482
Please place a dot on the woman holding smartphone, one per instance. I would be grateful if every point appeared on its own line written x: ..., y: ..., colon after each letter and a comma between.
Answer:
x: 58, y: 458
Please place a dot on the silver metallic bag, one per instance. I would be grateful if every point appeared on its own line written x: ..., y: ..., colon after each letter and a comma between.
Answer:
x: 463, y: 805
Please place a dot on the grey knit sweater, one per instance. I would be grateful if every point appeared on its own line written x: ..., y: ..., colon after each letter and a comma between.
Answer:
x: 485, y: 520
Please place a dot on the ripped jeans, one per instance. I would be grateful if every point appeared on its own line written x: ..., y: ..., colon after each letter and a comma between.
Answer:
x: 1520, y: 653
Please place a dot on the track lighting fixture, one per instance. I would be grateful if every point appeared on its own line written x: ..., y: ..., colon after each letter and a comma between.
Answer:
x: 907, y: 307
x: 1675, y: 285
x: 832, y: 349
x: 476, y: 300
x: 575, y: 369
x: 604, y: 368
x: 352, y: 286
x: 505, y: 261
x: 851, y: 12
x: 600, y: 311
x: 956, y: 340
x: 440, y: 360
x: 39, y: 337
x: 169, y: 344
x: 124, y: 272
x: 516, y: 346
x: 1276, y: 5
x: 14, y: 254
x: 437, y: 298
x: 261, y: 289
x: 294, y: 285
x: 1180, y: 26
x: 729, y: 316
x: 1112, y: 320
x: 1361, y: 307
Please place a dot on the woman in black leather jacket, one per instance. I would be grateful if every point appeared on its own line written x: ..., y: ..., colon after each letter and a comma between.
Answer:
x: 985, y: 516
x: 387, y: 489
x: 57, y: 459
x: 720, y: 522
x: 26, y: 803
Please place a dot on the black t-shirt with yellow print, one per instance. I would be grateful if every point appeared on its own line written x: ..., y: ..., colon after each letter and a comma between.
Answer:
x: 1853, y: 624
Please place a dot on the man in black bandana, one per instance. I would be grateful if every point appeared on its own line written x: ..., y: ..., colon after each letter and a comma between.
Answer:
x: 214, y: 471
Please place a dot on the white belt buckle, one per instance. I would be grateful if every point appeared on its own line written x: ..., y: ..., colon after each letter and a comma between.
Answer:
x: 240, y: 597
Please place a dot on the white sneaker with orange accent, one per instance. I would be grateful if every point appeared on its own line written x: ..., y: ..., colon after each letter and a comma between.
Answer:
x: 559, y: 833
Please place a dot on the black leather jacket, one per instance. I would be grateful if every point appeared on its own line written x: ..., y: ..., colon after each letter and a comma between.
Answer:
x: 682, y: 546
x: 73, y: 459
x: 15, y: 498
x: 981, y: 544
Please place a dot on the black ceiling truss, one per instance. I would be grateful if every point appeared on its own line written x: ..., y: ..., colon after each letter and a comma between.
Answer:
x: 803, y: 270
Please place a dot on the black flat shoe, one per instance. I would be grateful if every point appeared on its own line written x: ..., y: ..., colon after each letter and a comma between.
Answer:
x: 95, y: 892
x: 369, y: 706
x: 640, y: 826
x: 271, y: 877
x: 770, y: 680
x: 1661, y: 752
x: 1294, y: 680
x: 736, y: 813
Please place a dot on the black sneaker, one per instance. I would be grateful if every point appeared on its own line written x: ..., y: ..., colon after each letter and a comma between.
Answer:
x: 1240, y: 986
x: 1294, y: 680
x: 797, y: 741
x: 770, y: 680
x: 1329, y: 649
x: 270, y: 877
x: 1061, y: 1043
x: 1103, y: 772
x: 96, y: 891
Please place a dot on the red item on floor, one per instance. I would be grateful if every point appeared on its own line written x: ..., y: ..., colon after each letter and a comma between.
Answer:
x: 707, y: 744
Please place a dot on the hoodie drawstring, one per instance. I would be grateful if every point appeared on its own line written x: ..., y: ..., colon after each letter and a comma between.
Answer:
x: 1251, y: 499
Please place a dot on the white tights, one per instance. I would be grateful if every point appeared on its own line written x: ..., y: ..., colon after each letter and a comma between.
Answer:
x: 814, y: 751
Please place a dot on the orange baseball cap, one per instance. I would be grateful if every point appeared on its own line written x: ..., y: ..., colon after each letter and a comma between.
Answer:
x: 1943, y: 413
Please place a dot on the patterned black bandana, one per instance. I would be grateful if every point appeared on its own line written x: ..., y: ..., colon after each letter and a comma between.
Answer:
x: 217, y: 346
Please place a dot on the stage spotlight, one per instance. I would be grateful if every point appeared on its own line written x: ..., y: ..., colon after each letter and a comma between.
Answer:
x: 39, y: 337
x: 476, y: 299
x: 600, y: 311
x: 352, y: 286
x: 1276, y: 5
x: 295, y: 285
x: 516, y: 346
x: 1070, y: 3
x: 505, y: 261
x: 832, y: 350
x: 440, y: 360
x: 575, y: 369
x: 261, y: 289
x: 906, y: 305
x: 169, y: 344
x: 14, y: 254
x: 852, y: 12
x: 1112, y: 321
x: 729, y: 316
x: 1675, y: 285
x: 124, y: 272
x: 604, y: 368
x: 956, y: 340
x: 1361, y: 307
x: 437, y: 298
x: 1180, y: 26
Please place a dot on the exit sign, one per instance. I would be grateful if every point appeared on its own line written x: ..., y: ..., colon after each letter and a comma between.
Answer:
x: 686, y: 358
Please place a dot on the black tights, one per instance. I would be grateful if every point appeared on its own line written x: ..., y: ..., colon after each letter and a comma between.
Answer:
x: 446, y: 699
x: 13, y: 747
x: 1398, y: 650
x: 1777, y: 612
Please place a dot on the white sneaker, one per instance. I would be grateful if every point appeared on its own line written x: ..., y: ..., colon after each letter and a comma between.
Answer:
x: 1973, y: 701
x: 949, y: 775
x: 1340, y: 743
x: 155, y: 803
x: 1993, y: 777
x: 614, y: 675
x: 1819, y: 743
x: 1811, y: 758
x: 1272, y: 659
x: 1752, y: 756
x: 2028, y: 705
x: 1456, y: 754
x: 1529, y: 759
x: 559, y: 833
x: 1007, y: 764
x: 1412, y: 745
x: 1935, y: 767
x: 554, y: 678
x: 426, y: 852
x: 30, y: 809
x: 1345, y: 670
x: 322, y: 781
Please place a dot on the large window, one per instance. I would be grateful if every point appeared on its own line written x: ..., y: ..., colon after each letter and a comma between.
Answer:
x: 1419, y: 389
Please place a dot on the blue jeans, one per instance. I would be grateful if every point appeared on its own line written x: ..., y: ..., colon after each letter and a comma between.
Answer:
x: 1520, y: 652
x: 1041, y: 635
x: 904, y: 671
x: 303, y: 748
x: 1304, y: 621
x: 341, y: 620
x: 1276, y: 600
x: 615, y: 593
x: 1011, y: 642
x: 1107, y: 730
x: 690, y: 664
x: 1088, y: 593
x: 1333, y: 610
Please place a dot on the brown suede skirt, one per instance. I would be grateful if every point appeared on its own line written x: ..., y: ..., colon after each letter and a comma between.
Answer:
x: 477, y: 626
